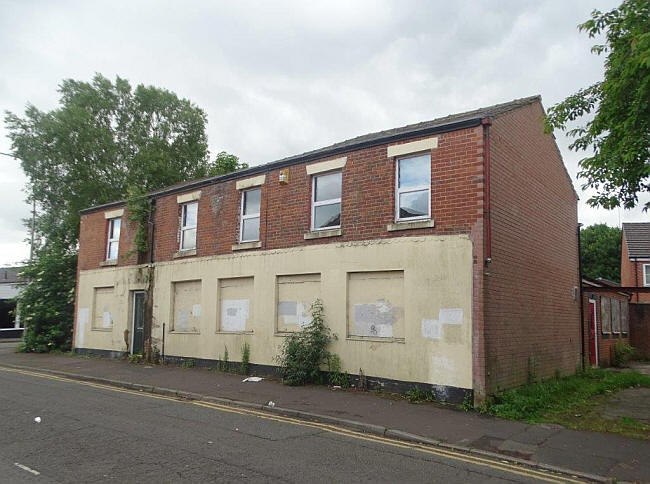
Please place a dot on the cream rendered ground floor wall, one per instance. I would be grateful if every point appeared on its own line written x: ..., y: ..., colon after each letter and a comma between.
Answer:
x: 400, y: 307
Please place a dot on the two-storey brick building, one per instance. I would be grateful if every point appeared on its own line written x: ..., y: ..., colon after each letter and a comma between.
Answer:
x: 445, y: 254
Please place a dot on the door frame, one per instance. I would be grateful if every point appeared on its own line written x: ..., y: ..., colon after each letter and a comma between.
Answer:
x: 593, y: 302
x: 133, y: 296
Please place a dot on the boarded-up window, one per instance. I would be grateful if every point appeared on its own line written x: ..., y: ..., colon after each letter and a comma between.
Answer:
x: 235, y: 304
x: 295, y: 294
x: 104, y: 308
x: 186, y: 306
x: 616, y: 316
x: 605, y: 314
x: 625, y: 322
x: 376, y: 304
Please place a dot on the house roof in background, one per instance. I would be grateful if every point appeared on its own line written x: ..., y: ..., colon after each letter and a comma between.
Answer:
x: 10, y: 275
x: 439, y: 125
x: 637, y: 237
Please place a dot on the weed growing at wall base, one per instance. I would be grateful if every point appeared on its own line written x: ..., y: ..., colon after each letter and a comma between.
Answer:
x: 569, y: 401
x: 245, y: 359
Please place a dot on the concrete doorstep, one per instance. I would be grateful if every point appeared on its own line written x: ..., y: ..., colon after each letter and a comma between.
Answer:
x: 326, y: 419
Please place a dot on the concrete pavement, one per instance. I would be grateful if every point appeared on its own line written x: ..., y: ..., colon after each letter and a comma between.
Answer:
x: 588, y: 452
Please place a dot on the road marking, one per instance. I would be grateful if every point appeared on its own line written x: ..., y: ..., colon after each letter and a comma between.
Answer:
x: 28, y: 469
x: 502, y: 466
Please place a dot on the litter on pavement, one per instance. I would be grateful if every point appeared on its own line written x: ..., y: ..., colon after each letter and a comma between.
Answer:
x: 253, y: 379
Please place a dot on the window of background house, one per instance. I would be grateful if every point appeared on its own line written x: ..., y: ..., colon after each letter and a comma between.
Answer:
x: 413, y: 188
x: 605, y: 319
x: 113, y: 243
x: 646, y: 274
x: 326, y: 201
x: 250, y: 215
x: 616, y: 316
x: 188, y: 225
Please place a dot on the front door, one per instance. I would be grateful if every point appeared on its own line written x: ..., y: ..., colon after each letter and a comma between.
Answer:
x: 137, y: 341
x: 593, y: 334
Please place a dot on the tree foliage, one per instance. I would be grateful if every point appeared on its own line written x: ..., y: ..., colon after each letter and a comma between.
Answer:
x: 618, y: 133
x: 600, y: 248
x: 105, y: 141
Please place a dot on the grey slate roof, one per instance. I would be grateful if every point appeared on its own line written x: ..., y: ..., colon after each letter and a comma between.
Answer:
x: 637, y: 237
x: 454, y: 121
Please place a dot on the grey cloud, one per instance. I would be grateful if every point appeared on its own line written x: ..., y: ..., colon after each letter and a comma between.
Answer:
x: 279, y: 78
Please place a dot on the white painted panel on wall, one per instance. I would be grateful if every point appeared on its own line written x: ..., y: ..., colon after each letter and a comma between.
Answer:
x: 451, y: 316
x: 430, y: 329
x: 234, y: 314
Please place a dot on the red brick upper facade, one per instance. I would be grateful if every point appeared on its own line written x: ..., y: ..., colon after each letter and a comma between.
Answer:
x: 367, y: 204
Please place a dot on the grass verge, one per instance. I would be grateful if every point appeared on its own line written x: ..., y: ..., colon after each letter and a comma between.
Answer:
x: 572, y: 401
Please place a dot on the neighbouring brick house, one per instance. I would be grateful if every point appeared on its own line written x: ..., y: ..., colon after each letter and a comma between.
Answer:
x: 606, y: 320
x: 445, y: 254
x: 635, y: 273
x: 635, y: 259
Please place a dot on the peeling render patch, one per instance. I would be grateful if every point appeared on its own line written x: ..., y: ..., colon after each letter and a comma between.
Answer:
x: 373, y: 319
x: 430, y: 328
x: 234, y: 314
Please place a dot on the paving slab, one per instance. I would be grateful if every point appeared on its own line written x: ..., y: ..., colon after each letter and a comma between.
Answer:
x: 631, y: 402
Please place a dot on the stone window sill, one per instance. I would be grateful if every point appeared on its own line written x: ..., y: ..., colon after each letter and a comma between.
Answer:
x: 107, y: 263
x: 247, y: 245
x: 184, y: 253
x: 184, y: 332
x: 102, y: 330
x: 320, y: 234
x: 234, y: 332
x: 420, y: 224
x: 375, y: 340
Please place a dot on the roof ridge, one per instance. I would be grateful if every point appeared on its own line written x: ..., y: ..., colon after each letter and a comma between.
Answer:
x: 436, y: 124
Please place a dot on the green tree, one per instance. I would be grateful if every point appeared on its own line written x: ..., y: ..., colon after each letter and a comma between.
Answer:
x: 618, y: 133
x: 105, y: 141
x: 600, y: 247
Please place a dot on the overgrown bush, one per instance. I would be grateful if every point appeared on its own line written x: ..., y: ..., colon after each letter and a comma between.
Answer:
x: 623, y: 352
x: 304, y: 351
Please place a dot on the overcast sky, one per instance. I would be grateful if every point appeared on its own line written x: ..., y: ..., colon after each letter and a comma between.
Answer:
x: 280, y: 78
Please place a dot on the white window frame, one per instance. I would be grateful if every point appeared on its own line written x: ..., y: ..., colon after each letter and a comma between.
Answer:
x: 646, y: 275
x: 109, y: 240
x: 419, y: 188
x: 185, y: 228
x: 330, y: 201
x: 243, y: 217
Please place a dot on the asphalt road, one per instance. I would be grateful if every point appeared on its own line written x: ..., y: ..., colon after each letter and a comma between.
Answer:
x: 102, y: 434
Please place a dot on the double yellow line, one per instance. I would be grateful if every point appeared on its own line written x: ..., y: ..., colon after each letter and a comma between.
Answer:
x: 503, y: 466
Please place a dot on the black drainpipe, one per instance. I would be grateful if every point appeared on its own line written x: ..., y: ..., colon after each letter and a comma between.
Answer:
x: 582, y: 310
